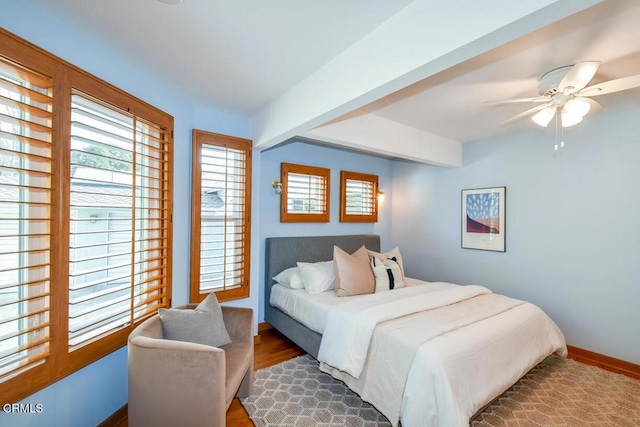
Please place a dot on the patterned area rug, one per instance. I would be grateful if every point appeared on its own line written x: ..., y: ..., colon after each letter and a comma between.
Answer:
x: 557, y: 392
x: 297, y: 393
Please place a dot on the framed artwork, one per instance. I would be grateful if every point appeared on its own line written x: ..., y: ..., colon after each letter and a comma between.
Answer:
x: 483, y: 219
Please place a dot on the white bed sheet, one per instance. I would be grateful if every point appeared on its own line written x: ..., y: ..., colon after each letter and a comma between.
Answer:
x: 312, y: 309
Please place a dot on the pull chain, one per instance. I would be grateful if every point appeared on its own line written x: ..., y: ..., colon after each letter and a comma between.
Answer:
x: 557, y: 147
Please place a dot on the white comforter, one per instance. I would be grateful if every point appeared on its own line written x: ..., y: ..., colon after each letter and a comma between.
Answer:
x: 451, y: 350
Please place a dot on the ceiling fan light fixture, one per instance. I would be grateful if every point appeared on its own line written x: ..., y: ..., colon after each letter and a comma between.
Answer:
x: 569, y: 119
x: 577, y: 107
x: 543, y: 117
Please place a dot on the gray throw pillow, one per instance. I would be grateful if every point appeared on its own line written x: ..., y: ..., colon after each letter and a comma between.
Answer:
x: 203, y: 325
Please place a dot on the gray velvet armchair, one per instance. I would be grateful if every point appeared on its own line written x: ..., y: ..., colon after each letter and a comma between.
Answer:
x: 176, y: 383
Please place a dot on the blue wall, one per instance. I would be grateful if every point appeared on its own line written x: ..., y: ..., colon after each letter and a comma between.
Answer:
x: 92, y: 394
x: 336, y: 160
x: 573, y: 234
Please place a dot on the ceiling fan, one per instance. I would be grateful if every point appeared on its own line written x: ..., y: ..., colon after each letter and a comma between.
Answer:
x: 564, y: 93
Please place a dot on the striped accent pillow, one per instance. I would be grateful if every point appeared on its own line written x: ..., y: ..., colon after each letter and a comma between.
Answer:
x: 387, y: 273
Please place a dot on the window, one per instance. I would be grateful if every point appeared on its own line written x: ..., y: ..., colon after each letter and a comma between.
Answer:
x: 220, y: 216
x: 358, y: 197
x: 85, y: 211
x: 305, y: 193
x: 118, y: 228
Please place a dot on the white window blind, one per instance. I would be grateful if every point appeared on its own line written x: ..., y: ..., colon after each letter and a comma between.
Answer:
x: 360, y: 197
x: 119, y: 219
x: 26, y: 111
x: 306, y: 194
x: 223, y: 218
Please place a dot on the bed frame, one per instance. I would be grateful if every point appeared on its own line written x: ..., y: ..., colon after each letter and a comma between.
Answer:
x: 282, y: 253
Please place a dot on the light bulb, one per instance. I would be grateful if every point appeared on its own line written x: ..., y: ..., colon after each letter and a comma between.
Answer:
x: 543, y: 117
x: 569, y: 119
x: 577, y: 107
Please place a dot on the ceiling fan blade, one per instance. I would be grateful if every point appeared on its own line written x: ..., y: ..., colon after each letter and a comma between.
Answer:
x: 578, y: 77
x: 527, y: 113
x: 612, y: 86
x: 517, y: 100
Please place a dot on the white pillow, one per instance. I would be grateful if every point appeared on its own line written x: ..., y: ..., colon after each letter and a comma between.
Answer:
x: 393, y: 253
x: 290, y: 278
x: 317, y: 276
x: 387, y: 273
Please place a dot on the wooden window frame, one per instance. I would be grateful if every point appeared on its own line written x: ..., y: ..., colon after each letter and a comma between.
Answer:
x: 357, y: 176
x: 66, y: 78
x: 324, y: 173
x: 200, y: 138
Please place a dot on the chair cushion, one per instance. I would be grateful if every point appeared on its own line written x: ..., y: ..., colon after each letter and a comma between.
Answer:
x: 202, y: 325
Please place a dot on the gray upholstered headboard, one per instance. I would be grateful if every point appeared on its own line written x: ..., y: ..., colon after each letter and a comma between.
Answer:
x: 283, y: 252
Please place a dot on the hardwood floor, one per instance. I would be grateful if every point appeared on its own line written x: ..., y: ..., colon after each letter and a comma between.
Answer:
x: 272, y: 349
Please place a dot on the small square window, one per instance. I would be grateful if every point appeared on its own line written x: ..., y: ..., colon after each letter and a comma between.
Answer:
x: 305, y: 193
x: 358, y: 197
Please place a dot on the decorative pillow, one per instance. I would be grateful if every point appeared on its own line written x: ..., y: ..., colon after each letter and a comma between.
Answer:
x: 387, y: 273
x: 393, y: 253
x: 353, y: 273
x: 317, y: 276
x: 202, y: 325
x: 290, y: 278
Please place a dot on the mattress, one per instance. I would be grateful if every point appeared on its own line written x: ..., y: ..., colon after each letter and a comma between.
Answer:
x: 312, y: 309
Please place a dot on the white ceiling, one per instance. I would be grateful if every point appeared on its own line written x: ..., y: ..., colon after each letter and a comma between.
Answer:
x: 450, y: 104
x: 235, y: 55
x: 243, y: 55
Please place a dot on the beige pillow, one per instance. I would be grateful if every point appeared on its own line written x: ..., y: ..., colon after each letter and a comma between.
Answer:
x: 387, y: 274
x: 353, y: 273
x: 393, y: 253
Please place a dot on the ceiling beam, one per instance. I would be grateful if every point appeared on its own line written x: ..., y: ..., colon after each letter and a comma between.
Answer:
x: 421, y: 40
x: 374, y: 134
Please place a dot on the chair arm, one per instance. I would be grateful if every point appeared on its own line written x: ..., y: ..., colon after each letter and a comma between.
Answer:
x: 239, y: 323
x: 174, y: 382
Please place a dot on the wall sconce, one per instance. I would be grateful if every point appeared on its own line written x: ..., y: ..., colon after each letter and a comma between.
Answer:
x: 93, y: 219
x: 380, y: 196
x: 277, y: 186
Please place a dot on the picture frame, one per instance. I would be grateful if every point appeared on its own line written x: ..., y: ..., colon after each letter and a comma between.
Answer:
x: 484, y: 219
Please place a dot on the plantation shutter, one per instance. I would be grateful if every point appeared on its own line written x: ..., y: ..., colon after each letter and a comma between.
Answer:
x: 152, y: 220
x: 26, y: 112
x: 118, y: 257
x: 223, y: 220
x: 305, y: 195
x: 358, y: 197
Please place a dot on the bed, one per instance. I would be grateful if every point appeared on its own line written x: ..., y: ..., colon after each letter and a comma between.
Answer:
x: 429, y: 354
